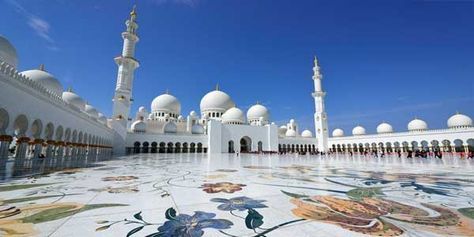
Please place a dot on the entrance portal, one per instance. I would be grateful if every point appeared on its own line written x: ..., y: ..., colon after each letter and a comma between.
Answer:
x: 245, y: 144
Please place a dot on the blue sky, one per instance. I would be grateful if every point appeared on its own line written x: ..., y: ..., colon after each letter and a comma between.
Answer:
x: 381, y: 60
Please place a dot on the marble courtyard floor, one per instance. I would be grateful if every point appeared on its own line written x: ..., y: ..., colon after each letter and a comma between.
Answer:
x: 249, y: 195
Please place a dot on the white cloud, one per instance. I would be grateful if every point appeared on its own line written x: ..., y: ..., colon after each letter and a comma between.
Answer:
x: 40, y: 26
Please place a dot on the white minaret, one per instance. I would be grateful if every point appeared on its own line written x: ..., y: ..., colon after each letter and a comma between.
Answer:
x: 320, y: 116
x: 123, y: 91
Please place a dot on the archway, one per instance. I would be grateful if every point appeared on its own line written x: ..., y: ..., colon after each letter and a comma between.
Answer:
x: 136, y: 147
x: 154, y: 146
x: 231, y: 147
x: 245, y: 144
x: 145, y: 147
x: 260, y: 146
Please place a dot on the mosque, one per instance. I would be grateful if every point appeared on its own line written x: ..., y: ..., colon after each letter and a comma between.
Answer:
x: 37, y: 116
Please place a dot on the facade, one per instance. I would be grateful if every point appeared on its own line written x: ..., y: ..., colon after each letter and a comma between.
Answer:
x: 38, y: 116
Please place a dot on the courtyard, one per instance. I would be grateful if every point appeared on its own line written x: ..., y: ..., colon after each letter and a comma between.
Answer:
x: 244, y: 195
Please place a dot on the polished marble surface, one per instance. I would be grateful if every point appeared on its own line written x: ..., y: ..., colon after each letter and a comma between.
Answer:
x: 246, y: 195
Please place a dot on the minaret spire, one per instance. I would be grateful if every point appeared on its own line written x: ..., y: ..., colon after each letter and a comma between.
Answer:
x: 320, y: 116
x: 127, y: 64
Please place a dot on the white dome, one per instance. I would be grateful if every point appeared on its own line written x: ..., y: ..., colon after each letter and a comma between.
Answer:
x: 338, y: 132
x: 258, y: 111
x: 217, y: 101
x: 193, y: 113
x: 139, y: 126
x: 291, y: 133
x: 384, y: 128
x: 166, y: 103
x: 91, y: 111
x: 197, y: 129
x: 74, y: 100
x: 142, y: 109
x: 282, y: 130
x: 417, y: 125
x: 459, y: 120
x: 292, y: 121
x: 358, y: 130
x: 102, y: 118
x: 170, y: 127
x: 233, y: 115
x: 46, y: 80
x: 8, y: 52
x: 307, y: 134
x: 180, y: 117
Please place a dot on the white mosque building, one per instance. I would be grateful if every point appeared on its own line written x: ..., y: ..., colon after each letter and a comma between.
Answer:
x: 37, y: 116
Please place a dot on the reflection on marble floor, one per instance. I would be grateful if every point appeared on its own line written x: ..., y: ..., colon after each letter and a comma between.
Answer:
x: 247, y: 195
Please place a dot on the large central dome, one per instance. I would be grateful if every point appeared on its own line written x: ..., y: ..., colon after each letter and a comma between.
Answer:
x: 217, y: 101
x: 166, y: 103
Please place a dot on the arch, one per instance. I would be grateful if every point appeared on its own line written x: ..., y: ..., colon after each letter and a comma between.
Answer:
x: 292, y: 147
x: 470, y: 144
x: 424, y: 145
x: 20, y: 125
x: 59, y: 133
x: 199, y: 147
x: 162, y: 148
x: 74, y: 136
x: 245, y: 144
x: 185, y: 147
x: 170, y: 127
x: 458, y: 145
x: 230, y: 147
x: 414, y: 145
x: 169, y: 147
x: 67, y: 135
x: 446, y: 145
x: 145, y: 146
x: 36, y: 128
x: 192, y: 147
x: 260, y: 146
x: 4, y: 120
x: 136, y: 147
x: 154, y: 147
x: 389, y: 147
x: 177, y: 147
x: 49, y: 131
x: 80, y: 137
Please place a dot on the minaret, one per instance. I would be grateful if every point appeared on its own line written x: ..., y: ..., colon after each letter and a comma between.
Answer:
x: 123, y: 91
x: 320, y: 117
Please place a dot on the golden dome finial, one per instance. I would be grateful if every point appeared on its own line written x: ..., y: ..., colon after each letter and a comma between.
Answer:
x: 41, y: 67
x: 133, y: 13
x: 217, y: 86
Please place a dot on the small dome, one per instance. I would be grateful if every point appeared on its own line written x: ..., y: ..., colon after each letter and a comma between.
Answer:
x: 193, y: 113
x: 217, y: 101
x: 142, y: 109
x: 338, y: 132
x: 102, y: 118
x: 139, y: 126
x: 180, y: 117
x: 166, y: 103
x: 358, y: 130
x: 170, y: 127
x: 233, y: 115
x: 417, y: 125
x: 291, y: 133
x: 197, y: 129
x: 307, y: 134
x: 384, y: 128
x: 46, y: 80
x: 91, y: 111
x: 8, y: 52
x: 74, y: 100
x: 459, y: 121
x: 256, y: 112
x: 282, y: 130
x: 292, y: 121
